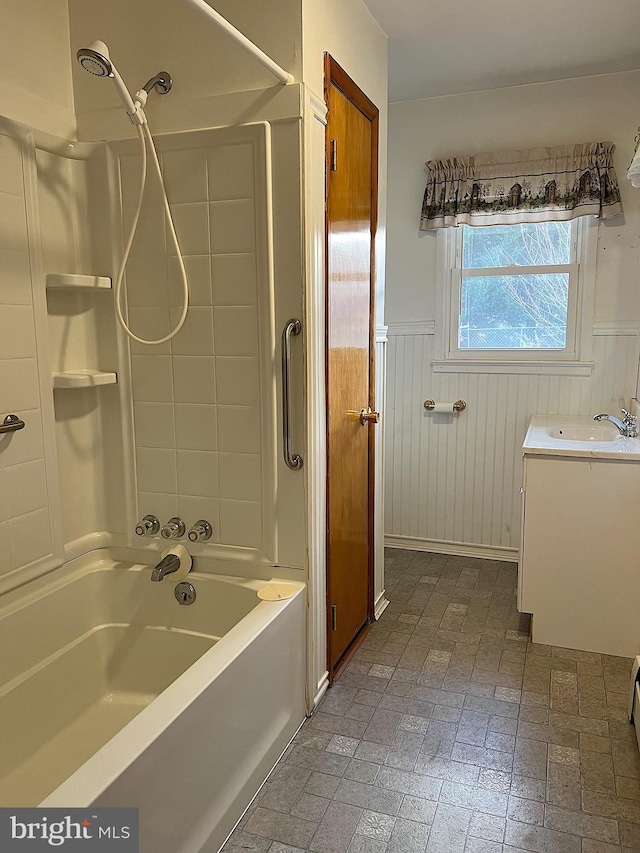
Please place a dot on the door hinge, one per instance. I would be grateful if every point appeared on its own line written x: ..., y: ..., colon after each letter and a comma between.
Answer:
x: 333, y: 156
x: 334, y: 616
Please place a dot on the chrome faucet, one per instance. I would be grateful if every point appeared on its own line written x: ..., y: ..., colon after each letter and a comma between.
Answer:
x: 167, y: 566
x: 628, y: 427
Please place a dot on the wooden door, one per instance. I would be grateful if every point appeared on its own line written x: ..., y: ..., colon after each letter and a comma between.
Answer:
x: 352, y: 141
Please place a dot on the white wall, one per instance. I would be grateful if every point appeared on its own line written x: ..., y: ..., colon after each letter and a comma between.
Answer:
x: 579, y: 110
x: 347, y: 30
x: 35, y: 65
x: 457, y: 480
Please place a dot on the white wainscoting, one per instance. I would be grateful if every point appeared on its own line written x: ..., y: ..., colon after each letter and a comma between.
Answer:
x: 453, y: 481
x: 380, y: 600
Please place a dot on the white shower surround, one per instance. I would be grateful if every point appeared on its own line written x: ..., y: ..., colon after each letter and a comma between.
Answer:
x: 68, y: 233
x: 204, y: 422
x: 160, y: 709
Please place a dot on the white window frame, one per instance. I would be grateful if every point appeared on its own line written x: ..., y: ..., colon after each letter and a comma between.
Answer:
x: 573, y: 359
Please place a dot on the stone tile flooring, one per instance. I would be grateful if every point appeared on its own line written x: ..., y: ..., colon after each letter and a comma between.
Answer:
x: 449, y: 731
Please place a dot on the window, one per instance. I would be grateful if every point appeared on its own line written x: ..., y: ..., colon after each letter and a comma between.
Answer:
x: 517, y: 293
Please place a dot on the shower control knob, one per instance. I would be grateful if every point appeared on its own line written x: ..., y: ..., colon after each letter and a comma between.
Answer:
x: 200, y: 531
x: 149, y: 526
x: 173, y: 529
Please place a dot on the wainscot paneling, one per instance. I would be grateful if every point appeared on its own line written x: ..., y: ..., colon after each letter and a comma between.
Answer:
x: 453, y: 481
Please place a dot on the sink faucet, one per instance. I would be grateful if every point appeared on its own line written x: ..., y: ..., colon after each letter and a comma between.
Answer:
x: 628, y: 427
x: 166, y: 566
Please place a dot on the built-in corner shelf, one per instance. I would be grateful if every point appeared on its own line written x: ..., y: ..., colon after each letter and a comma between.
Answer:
x: 72, y: 281
x: 83, y: 379
x: 81, y: 336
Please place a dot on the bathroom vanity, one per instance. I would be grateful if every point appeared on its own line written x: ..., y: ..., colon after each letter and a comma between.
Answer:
x: 579, y: 568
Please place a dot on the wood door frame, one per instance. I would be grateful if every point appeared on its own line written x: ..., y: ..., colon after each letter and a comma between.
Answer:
x: 335, y: 75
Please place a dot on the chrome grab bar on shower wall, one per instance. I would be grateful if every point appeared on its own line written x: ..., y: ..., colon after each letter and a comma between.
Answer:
x: 293, y: 327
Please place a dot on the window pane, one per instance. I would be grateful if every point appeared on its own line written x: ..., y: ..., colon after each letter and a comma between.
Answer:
x: 514, y: 312
x: 532, y: 244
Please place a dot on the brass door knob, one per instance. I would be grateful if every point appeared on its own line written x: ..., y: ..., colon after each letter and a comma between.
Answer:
x: 369, y: 417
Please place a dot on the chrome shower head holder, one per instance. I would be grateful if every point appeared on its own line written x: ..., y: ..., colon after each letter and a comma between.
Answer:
x: 162, y: 83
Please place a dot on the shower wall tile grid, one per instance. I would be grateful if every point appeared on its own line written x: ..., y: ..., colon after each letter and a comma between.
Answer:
x: 197, y: 401
x: 25, y: 533
x: 450, y: 732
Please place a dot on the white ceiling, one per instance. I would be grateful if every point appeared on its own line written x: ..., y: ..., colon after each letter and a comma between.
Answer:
x: 444, y: 47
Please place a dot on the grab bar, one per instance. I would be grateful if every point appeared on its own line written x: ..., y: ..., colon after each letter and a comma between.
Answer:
x: 11, y: 423
x: 293, y: 327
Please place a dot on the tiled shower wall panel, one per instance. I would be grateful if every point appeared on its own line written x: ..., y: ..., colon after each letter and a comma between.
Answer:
x: 25, y: 531
x: 456, y: 478
x: 198, y: 408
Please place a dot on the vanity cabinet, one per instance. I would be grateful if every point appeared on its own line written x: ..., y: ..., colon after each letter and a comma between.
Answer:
x: 579, y: 569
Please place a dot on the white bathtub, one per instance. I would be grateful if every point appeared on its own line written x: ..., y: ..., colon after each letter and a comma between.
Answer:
x: 112, y: 694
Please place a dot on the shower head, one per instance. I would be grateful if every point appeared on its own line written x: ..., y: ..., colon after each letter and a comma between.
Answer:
x: 96, y: 60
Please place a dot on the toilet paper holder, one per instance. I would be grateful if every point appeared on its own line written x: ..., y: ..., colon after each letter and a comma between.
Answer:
x: 458, y: 406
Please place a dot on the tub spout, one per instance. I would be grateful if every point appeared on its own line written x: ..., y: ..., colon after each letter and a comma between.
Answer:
x: 167, y: 566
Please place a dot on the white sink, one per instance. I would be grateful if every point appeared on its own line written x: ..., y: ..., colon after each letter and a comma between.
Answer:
x: 585, y: 432
x: 578, y: 435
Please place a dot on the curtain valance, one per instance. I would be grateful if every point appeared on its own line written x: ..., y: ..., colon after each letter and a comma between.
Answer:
x: 537, y: 185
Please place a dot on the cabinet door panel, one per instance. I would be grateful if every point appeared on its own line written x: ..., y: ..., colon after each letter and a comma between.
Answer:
x: 579, y: 573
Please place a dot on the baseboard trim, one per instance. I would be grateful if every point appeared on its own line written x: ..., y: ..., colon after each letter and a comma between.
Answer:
x: 457, y: 549
x: 380, y: 606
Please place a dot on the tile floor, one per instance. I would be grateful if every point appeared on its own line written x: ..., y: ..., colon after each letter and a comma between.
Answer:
x: 449, y: 731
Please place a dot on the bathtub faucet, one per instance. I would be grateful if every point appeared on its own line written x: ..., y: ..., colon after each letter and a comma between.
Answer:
x: 167, y: 566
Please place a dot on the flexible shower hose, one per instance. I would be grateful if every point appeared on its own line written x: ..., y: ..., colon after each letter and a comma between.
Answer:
x: 144, y: 135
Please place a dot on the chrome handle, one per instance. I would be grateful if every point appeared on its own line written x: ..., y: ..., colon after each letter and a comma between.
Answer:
x: 173, y: 529
x: 200, y: 531
x: 369, y: 417
x: 11, y: 423
x: 631, y: 423
x: 293, y: 327
x: 149, y: 526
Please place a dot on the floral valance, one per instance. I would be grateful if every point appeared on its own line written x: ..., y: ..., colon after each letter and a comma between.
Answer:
x: 537, y: 185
